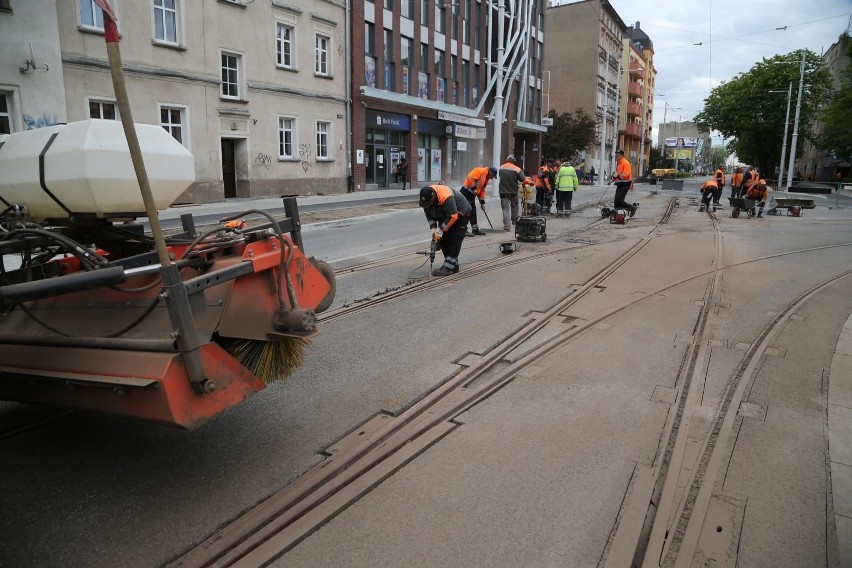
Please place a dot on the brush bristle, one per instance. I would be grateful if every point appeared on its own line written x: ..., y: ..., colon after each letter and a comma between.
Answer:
x: 268, y: 360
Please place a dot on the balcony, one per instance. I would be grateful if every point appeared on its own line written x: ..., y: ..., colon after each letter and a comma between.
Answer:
x: 633, y: 130
x: 636, y: 90
x: 637, y: 72
x: 634, y: 109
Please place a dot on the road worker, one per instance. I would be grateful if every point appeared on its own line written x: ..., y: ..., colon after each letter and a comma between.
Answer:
x: 511, y: 176
x: 758, y: 192
x: 709, y: 191
x: 446, y: 210
x: 736, y: 182
x: 623, y: 179
x: 473, y: 188
x: 566, y: 184
x: 720, y: 184
x: 543, y: 189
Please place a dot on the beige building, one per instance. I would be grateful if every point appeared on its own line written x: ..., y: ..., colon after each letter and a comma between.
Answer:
x: 32, y: 88
x: 636, y: 116
x: 255, y: 90
x: 585, y: 71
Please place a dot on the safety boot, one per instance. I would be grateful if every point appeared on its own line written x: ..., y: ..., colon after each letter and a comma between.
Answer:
x: 477, y: 232
x: 441, y: 271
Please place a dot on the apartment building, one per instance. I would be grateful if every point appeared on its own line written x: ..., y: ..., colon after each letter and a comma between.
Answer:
x: 425, y: 88
x: 32, y: 87
x: 637, y: 85
x: 586, y: 71
x: 816, y: 164
x: 255, y: 90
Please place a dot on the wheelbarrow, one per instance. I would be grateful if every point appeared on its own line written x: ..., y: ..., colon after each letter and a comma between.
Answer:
x: 741, y: 203
x: 793, y: 205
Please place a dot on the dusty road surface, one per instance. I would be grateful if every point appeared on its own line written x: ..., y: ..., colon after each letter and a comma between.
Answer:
x: 654, y: 393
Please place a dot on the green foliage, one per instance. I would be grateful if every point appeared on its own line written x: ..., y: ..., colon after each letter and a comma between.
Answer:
x: 718, y: 156
x: 570, y: 134
x: 745, y: 109
x: 836, y: 118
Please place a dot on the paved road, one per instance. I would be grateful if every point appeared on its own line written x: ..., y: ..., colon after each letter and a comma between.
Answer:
x: 534, y: 476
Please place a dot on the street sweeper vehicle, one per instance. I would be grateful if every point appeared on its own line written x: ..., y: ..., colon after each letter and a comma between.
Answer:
x: 94, y: 315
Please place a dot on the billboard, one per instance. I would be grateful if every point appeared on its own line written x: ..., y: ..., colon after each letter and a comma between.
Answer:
x: 678, y: 153
x: 680, y: 142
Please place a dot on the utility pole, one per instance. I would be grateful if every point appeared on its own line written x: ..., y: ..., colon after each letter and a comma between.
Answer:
x: 603, y: 119
x: 498, y: 95
x: 616, y: 117
x: 784, y: 145
x: 796, y: 124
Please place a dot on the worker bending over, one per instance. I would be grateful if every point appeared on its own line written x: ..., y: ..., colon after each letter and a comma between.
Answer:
x: 623, y: 179
x: 474, y: 187
x: 710, y: 190
x: 758, y: 192
x: 447, y: 211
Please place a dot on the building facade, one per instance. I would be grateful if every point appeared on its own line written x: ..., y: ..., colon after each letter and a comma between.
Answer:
x: 255, y: 90
x: 423, y: 89
x: 684, y: 146
x: 636, y: 115
x: 816, y: 164
x: 32, y: 86
x: 586, y: 71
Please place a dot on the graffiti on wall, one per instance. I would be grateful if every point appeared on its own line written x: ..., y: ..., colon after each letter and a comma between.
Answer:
x: 33, y: 122
x: 263, y: 160
x: 305, y: 153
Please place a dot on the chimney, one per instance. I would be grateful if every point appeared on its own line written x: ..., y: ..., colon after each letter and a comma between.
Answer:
x: 637, y: 25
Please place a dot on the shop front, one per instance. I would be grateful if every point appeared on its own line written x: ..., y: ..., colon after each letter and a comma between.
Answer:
x: 431, y: 135
x: 386, y: 144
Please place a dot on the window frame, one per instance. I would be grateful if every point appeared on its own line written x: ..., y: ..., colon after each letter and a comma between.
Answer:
x: 95, y: 9
x: 294, y: 137
x: 279, y: 25
x: 319, y: 51
x: 328, y: 137
x: 178, y: 22
x: 101, y: 101
x: 183, y: 111
x: 11, y: 108
x: 239, y: 79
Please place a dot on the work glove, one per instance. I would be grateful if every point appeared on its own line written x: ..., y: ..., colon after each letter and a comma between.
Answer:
x: 482, y: 202
x: 437, y: 234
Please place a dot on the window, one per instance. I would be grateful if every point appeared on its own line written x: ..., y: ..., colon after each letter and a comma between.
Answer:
x: 465, y: 76
x: 231, y: 75
x: 466, y: 23
x: 166, y: 21
x: 5, y: 112
x: 476, y: 21
x: 389, y: 70
x: 369, y: 38
x: 439, y: 63
x: 322, y: 46
x: 286, y: 137
x: 407, y: 9
x: 388, y: 4
x: 5, y: 6
x: 424, y: 12
x: 173, y: 119
x: 91, y: 16
x: 284, y: 45
x: 454, y: 20
x: 102, y: 108
x: 440, y: 17
x: 454, y: 67
x: 406, y: 54
x: 323, y: 137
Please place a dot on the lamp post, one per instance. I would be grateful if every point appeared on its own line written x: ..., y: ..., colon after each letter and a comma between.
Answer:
x: 784, y: 144
x: 796, y: 123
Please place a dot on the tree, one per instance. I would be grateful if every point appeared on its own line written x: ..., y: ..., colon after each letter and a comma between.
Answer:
x: 836, y: 118
x: 745, y: 110
x: 570, y: 134
x: 718, y: 156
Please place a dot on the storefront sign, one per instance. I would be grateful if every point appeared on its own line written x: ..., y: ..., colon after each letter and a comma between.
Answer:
x: 434, y: 127
x: 461, y: 146
x: 452, y: 117
x: 461, y: 131
x: 387, y: 121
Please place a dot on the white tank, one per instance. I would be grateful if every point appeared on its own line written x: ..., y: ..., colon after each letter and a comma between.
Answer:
x: 87, y: 168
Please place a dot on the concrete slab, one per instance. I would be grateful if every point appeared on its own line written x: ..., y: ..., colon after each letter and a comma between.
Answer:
x: 841, y: 485
x: 844, y: 540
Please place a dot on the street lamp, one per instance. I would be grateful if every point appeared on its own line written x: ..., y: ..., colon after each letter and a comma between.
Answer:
x: 796, y: 124
x: 784, y: 145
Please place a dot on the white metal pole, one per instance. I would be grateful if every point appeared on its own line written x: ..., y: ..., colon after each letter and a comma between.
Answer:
x: 796, y: 124
x: 784, y: 145
x: 616, y: 117
x: 603, y: 120
x: 498, y: 94
x: 677, y: 154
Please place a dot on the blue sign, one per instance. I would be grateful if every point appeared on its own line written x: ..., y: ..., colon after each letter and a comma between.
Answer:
x: 387, y: 121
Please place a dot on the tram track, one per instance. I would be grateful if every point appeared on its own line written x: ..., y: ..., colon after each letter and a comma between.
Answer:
x: 375, y: 451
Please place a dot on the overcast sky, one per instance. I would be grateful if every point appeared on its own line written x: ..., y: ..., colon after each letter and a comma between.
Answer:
x: 734, y: 35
